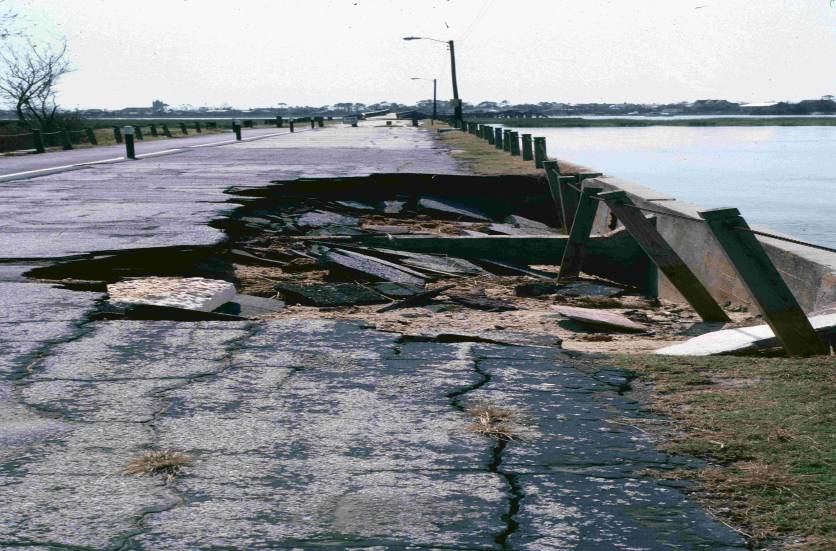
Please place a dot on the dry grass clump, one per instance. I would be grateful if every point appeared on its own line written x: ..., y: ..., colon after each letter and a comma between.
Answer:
x: 166, y: 463
x: 495, y: 421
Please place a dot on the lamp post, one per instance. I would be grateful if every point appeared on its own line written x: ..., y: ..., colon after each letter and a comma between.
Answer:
x: 457, y: 104
x: 435, y: 110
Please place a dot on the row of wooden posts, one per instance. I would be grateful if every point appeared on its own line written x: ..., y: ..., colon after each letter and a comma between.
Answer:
x: 154, y: 130
x: 132, y: 133
x: 576, y: 197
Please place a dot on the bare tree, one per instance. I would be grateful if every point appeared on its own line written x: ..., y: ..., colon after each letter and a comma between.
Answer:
x: 28, y: 79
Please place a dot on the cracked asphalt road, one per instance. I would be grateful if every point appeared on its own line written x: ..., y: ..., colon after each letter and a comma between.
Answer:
x: 303, y: 433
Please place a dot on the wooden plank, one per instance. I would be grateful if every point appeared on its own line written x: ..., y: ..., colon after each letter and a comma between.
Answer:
x: 764, y: 283
x: 369, y: 268
x: 575, y: 251
x: 665, y: 258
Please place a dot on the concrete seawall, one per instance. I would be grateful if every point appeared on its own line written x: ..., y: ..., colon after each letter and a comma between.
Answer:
x: 810, y: 273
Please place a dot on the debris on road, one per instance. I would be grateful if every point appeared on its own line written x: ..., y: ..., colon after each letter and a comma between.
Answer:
x: 190, y: 293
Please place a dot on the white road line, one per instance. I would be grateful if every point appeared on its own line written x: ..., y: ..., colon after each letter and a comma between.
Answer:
x: 55, y: 169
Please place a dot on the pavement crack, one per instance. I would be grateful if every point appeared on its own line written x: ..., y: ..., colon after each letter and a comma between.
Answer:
x: 515, y: 493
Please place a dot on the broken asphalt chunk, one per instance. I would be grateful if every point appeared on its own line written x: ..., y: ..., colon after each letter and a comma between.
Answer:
x: 600, y: 318
x: 417, y: 300
x: 322, y: 218
x: 397, y: 290
x: 367, y: 267
x: 480, y: 301
x: 536, y: 289
x: 191, y: 293
x: 329, y: 294
x: 250, y: 306
x: 452, y: 209
x: 587, y: 289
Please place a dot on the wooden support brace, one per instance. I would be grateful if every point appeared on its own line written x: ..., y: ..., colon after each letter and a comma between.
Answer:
x: 764, y: 283
x: 553, y: 178
x: 665, y: 258
x: 575, y: 251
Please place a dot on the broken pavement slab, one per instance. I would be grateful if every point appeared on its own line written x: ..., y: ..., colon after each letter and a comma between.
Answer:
x: 741, y: 340
x: 601, y: 318
x: 452, y: 209
x: 189, y: 293
x: 330, y: 294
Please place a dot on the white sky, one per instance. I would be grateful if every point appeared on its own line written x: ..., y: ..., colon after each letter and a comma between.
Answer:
x: 316, y: 52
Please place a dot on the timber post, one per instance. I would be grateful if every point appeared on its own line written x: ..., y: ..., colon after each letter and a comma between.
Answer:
x: 138, y: 133
x: 663, y: 255
x: 575, y: 251
x: 91, y: 136
x: 153, y: 129
x: 764, y: 283
x: 490, y: 135
x: 236, y: 127
x: 506, y: 140
x: 130, y: 153
x: 515, y: 144
x: 183, y: 129
x: 197, y: 127
x: 67, y: 140
x: 539, y: 152
x: 117, y: 134
x: 527, y: 153
x: 38, y: 138
x: 497, y: 132
x: 291, y: 125
x: 166, y: 131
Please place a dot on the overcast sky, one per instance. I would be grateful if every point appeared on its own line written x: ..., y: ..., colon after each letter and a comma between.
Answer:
x: 316, y: 52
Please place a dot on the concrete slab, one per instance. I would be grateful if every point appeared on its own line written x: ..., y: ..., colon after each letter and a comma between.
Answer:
x: 740, y: 339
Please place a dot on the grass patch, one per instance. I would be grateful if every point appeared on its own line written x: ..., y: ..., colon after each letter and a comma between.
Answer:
x: 484, y: 158
x: 168, y: 464
x: 494, y: 421
x: 578, y: 122
x: 767, y: 425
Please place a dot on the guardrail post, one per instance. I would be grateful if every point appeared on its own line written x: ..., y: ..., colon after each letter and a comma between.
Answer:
x: 38, y: 138
x: 236, y: 127
x: 91, y: 136
x: 139, y: 135
x: 291, y: 125
x: 183, y: 129
x: 117, y: 134
x: 197, y: 127
x: 313, y: 123
x: 539, y: 152
x: 321, y: 122
x: 153, y: 129
x: 575, y: 251
x: 764, y: 283
x: 279, y: 122
x: 515, y: 144
x: 497, y: 138
x: 663, y: 255
x: 506, y: 140
x: 527, y: 153
x: 129, y: 142
x: 490, y: 135
x: 67, y: 140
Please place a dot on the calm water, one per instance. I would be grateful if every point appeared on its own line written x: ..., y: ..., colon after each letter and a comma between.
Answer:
x: 780, y: 177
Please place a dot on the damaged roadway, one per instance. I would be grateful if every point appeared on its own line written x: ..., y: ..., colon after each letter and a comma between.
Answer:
x: 303, y: 432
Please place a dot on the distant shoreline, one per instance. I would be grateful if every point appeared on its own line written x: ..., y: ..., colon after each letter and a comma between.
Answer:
x: 578, y: 122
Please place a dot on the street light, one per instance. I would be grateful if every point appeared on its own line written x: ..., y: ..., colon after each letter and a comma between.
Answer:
x: 457, y: 104
x: 435, y: 112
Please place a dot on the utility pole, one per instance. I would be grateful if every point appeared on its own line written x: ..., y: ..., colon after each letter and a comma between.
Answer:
x: 457, y: 105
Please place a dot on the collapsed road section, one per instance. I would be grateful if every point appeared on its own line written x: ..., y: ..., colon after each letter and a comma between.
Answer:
x: 364, y: 363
